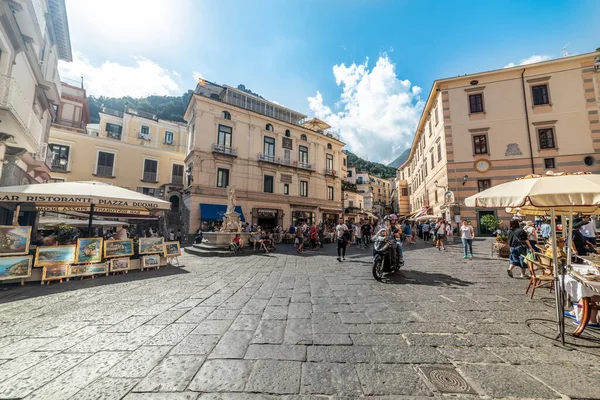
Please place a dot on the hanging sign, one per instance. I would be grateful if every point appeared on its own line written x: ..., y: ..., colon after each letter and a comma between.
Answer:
x: 108, y: 210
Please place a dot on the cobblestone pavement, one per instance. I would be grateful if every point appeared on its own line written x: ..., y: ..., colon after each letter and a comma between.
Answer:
x: 292, y: 326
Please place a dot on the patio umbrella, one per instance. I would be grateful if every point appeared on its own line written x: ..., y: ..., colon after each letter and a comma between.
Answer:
x: 578, y: 192
x: 316, y: 124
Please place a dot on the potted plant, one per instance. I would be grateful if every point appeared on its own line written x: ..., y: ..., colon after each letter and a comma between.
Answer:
x: 65, y: 234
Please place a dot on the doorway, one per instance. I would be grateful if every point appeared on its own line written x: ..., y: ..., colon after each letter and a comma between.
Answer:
x: 480, y: 214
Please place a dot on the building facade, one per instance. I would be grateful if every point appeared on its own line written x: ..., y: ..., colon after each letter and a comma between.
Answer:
x: 480, y: 130
x: 130, y: 149
x: 284, y: 169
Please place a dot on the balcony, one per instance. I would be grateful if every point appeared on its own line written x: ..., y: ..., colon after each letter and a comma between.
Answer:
x: 114, y: 113
x: 150, y: 176
x: 60, y: 165
x: 222, y: 149
x: 12, y: 99
x: 265, y: 157
x: 104, y: 171
x: 331, y: 172
x: 176, y: 180
x: 69, y: 123
x: 113, y: 135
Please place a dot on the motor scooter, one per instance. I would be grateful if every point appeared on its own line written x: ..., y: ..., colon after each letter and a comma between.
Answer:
x: 385, y: 256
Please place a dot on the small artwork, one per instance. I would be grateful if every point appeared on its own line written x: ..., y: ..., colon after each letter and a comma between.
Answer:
x: 119, y: 264
x: 87, y: 269
x: 55, y: 272
x: 14, y: 240
x: 15, y: 267
x: 89, y: 250
x: 151, y: 245
x: 118, y: 248
x: 54, y: 255
x: 172, y: 249
x: 151, y: 261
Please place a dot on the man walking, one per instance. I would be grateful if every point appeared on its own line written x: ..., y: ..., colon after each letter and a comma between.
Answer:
x: 426, y: 228
x: 341, y: 231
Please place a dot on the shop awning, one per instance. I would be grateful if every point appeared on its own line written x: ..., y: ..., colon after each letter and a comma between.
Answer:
x: 216, y: 212
x: 331, y: 210
x: 422, y: 212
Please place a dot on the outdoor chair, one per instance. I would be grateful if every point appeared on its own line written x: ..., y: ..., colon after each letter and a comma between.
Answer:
x: 545, y: 279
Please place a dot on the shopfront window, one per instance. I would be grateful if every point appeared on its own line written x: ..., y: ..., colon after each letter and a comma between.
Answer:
x: 303, y: 216
x: 267, y: 218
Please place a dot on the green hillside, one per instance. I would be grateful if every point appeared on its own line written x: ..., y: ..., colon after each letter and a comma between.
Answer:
x: 373, y: 168
x: 400, y: 160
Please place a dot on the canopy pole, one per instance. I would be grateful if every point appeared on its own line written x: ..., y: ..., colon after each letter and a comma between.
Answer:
x: 15, y: 221
x: 91, y: 220
x: 557, y: 296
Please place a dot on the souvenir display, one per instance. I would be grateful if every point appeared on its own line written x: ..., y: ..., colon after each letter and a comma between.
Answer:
x: 89, y: 250
x: 87, y: 269
x: 119, y: 264
x: 14, y: 240
x: 151, y: 261
x: 118, y: 248
x: 172, y: 249
x: 151, y: 245
x: 54, y: 255
x: 55, y: 272
x: 17, y: 267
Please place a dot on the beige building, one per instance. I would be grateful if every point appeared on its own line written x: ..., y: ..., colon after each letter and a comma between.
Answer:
x: 376, y: 192
x: 130, y: 149
x: 284, y: 169
x: 484, y: 129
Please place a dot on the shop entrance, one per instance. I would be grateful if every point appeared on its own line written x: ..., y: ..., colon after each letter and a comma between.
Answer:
x: 299, y: 217
x: 267, y: 218
x: 330, y: 219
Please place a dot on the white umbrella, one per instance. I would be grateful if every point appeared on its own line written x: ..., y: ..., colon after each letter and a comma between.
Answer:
x: 578, y: 192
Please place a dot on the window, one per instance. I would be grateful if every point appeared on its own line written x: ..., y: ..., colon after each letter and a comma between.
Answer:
x: 424, y: 169
x: 540, y: 95
x: 113, y: 131
x: 304, y: 188
x: 436, y: 195
x: 226, y: 115
x: 439, y: 151
x: 148, y: 191
x: 430, y: 128
x: 329, y: 161
x: 150, y: 173
x: 168, y: 137
x: 60, y: 157
x: 286, y: 155
x: 437, y: 117
x: 55, y: 109
x: 177, y: 174
x: 303, y: 137
x: 224, y: 136
x: 303, y: 154
x: 476, y: 103
x: 329, y: 146
x: 344, y: 162
x: 286, y: 189
x: 269, y: 127
x: 349, y: 174
x: 404, y: 191
x: 432, y: 162
x: 329, y: 192
x: 222, y: 177
x: 105, y: 164
x: 480, y: 144
x: 546, y: 138
x: 268, y: 184
x: 549, y: 163
x: 269, y: 146
x: 483, y: 184
x: 287, y: 133
x: 144, y: 133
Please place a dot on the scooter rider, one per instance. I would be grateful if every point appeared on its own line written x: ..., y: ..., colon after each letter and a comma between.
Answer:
x: 397, y: 240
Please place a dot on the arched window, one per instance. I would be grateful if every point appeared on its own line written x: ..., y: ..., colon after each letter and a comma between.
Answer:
x: 174, y: 200
x: 287, y: 133
x: 269, y: 127
x: 226, y: 115
x: 328, y: 146
x: 303, y: 137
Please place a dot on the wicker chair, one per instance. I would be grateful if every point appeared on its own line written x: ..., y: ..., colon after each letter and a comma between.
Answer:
x: 545, y: 279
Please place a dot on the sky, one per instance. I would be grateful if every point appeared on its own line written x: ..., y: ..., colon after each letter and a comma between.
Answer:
x: 364, y: 66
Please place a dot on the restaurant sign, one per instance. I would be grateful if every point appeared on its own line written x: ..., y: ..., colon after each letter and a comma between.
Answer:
x: 286, y: 178
x: 73, y: 199
x: 286, y: 143
x: 266, y: 213
x: 108, y: 210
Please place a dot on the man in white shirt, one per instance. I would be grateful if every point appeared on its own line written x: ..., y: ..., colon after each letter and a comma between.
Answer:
x: 341, y: 230
x: 589, y: 230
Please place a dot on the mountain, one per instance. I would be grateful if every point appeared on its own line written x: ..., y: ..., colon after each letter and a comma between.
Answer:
x: 373, y: 168
x: 400, y: 160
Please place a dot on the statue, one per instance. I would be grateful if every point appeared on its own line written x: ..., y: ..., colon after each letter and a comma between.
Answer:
x: 231, y: 220
x: 231, y: 199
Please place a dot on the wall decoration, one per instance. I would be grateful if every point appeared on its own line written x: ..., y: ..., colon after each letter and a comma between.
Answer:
x: 14, y: 240
x: 512, y: 149
x: 54, y: 255
x: 87, y: 269
x: 15, y: 267
x: 118, y: 248
x: 89, y: 250
x: 172, y: 249
x: 52, y: 272
x: 151, y: 261
x: 119, y: 264
x: 151, y: 245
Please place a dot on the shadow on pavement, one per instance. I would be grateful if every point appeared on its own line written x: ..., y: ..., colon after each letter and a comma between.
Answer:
x: 16, y: 292
x: 411, y: 277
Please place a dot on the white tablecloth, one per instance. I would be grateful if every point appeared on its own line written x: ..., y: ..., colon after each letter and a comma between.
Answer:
x: 577, y: 290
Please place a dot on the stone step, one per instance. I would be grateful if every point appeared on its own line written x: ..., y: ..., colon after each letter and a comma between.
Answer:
x: 204, y: 251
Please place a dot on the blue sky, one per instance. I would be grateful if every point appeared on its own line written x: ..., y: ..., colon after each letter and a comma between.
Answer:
x: 286, y: 50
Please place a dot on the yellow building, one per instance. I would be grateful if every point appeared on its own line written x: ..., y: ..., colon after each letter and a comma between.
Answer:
x: 285, y: 169
x: 480, y: 130
x: 130, y: 149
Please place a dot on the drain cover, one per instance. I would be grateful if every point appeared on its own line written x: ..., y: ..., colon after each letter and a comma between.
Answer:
x: 447, y: 380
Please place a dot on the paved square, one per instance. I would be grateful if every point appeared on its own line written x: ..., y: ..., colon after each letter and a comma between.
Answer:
x: 291, y: 326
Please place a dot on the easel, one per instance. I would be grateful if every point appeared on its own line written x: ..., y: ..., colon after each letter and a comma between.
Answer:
x: 170, y: 258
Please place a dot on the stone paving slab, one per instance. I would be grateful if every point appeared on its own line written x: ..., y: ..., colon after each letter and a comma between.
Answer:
x: 293, y: 327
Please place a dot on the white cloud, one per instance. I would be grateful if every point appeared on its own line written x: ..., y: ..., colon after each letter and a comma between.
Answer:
x: 112, y: 79
x: 529, y: 60
x: 378, y: 112
x: 197, y: 76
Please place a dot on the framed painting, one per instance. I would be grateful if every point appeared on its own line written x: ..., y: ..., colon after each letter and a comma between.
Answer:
x: 152, y: 245
x: 54, y: 255
x: 55, y: 272
x: 119, y: 264
x: 15, y: 267
x: 172, y: 249
x: 14, y: 240
x: 151, y: 261
x: 87, y: 269
x: 118, y: 248
x: 89, y: 250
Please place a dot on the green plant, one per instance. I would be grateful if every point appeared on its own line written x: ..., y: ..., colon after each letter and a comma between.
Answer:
x: 490, y: 222
x: 65, y: 234
x: 501, y: 238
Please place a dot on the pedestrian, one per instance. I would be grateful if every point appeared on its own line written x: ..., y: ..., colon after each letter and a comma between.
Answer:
x: 517, y: 240
x: 358, y: 235
x: 341, y: 231
x: 546, y: 230
x: 413, y: 233
x: 440, y: 235
x: 588, y: 230
x: 420, y: 229
x: 313, y: 235
x: 426, y: 228
x: 321, y: 233
x: 466, y: 235
x: 301, y: 235
x: 532, y: 235
x: 171, y: 235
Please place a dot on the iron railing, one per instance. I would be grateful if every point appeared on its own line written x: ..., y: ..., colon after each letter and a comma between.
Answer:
x: 222, y: 149
x: 104, y: 170
x: 150, y: 176
x: 58, y: 166
x: 176, y: 180
x: 331, y: 172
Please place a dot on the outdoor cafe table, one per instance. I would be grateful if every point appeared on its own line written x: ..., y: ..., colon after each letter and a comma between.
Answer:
x: 579, y: 288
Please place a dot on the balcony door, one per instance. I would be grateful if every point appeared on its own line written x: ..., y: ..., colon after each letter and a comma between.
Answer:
x: 106, y: 163
x: 60, y: 157
x: 224, y: 137
x: 269, y: 147
x: 177, y: 174
x: 150, y: 170
x: 329, y: 162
